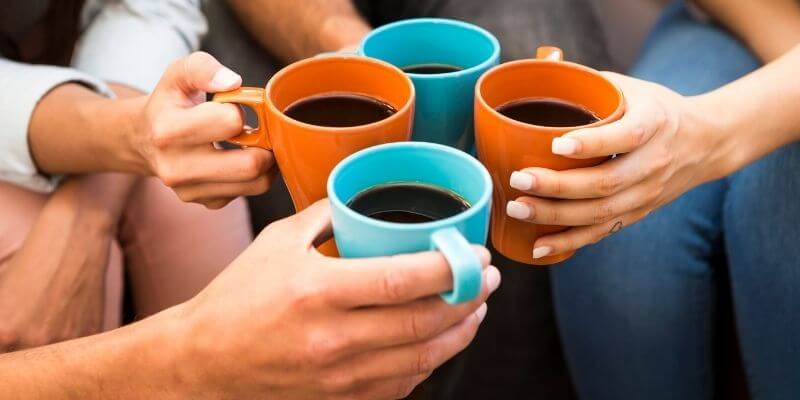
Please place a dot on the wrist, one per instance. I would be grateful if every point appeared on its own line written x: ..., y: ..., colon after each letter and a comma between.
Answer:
x: 121, y: 124
x: 706, y: 117
x: 338, y: 32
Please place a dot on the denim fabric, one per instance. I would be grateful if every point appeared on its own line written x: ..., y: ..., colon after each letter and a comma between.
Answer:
x: 637, y: 310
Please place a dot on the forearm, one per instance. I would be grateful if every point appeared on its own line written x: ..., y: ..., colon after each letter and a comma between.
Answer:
x: 753, y: 115
x: 138, y: 361
x: 769, y: 27
x: 299, y: 29
x: 74, y: 130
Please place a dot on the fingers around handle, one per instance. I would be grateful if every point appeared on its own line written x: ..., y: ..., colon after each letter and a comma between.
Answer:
x: 254, y: 98
x: 464, y: 265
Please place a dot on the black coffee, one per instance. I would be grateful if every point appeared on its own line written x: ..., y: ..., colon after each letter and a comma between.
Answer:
x: 547, y: 112
x: 339, y: 110
x: 407, y: 203
x: 430, y: 69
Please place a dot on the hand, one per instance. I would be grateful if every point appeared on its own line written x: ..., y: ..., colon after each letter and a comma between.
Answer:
x: 52, y: 288
x: 176, y: 132
x: 284, y: 322
x: 664, y: 148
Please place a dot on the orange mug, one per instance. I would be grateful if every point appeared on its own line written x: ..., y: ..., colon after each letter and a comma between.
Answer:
x: 306, y: 154
x: 505, y: 145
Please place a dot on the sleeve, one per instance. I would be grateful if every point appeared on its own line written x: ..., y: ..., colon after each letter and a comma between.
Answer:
x: 133, y: 41
x: 21, y: 88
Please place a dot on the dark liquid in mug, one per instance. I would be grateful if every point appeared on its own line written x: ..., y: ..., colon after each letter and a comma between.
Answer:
x: 547, y: 112
x: 429, y: 69
x: 339, y: 110
x: 407, y: 203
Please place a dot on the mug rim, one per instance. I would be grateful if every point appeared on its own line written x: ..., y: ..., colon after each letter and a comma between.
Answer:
x: 615, y: 115
x: 482, y: 202
x: 488, y: 62
x: 406, y: 108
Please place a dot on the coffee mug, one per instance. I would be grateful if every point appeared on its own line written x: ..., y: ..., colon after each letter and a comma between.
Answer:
x: 505, y: 145
x: 444, y: 100
x: 307, y: 153
x: 431, y: 164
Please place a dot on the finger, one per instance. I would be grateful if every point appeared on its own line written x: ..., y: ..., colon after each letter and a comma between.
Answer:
x: 582, y: 212
x: 641, y: 121
x: 208, y: 165
x: 379, y: 327
x: 210, y: 193
x: 604, y: 180
x: 309, y: 225
x: 396, y: 279
x: 198, y: 72
x: 418, y: 358
x: 206, y: 122
x: 575, y: 238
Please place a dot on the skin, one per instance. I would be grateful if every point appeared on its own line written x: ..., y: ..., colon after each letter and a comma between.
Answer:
x: 668, y: 143
x: 281, y: 322
x: 306, y: 28
x: 69, y: 245
x: 169, y: 133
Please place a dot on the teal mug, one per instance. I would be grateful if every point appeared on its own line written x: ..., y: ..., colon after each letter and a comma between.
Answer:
x: 444, y: 107
x: 431, y: 164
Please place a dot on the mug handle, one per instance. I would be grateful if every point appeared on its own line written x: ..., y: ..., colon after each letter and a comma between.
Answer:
x: 254, y: 98
x: 549, y: 53
x: 464, y: 264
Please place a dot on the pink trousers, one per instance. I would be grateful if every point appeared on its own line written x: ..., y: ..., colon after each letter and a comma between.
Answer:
x: 167, y: 248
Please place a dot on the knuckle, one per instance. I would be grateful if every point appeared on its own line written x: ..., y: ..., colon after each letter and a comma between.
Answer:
x: 419, y: 325
x: 169, y: 176
x: 636, y: 136
x: 9, y: 338
x: 322, y: 347
x: 392, y: 285
x: 162, y: 133
x: 609, y: 183
x: 254, y: 164
x: 603, y: 212
x: 426, y: 360
x: 405, y: 387
x: 555, y: 216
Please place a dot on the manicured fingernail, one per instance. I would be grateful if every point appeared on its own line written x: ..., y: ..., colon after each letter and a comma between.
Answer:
x: 522, y: 180
x: 564, y: 146
x: 518, y: 210
x: 493, y: 278
x: 481, y: 312
x: 540, y: 252
x: 225, y: 79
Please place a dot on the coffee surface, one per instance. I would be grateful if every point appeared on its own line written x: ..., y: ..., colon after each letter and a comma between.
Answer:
x: 429, y: 69
x: 339, y: 110
x: 547, y: 112
x: 407, y: 203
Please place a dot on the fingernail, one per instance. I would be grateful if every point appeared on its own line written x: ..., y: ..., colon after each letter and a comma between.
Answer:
x: 518, y: 210
x: 540, y: 252
x: 522, y: 180
x: 493, y: 278
x: 564, y: 146
x: 225, y: 79
x: 481, y: 312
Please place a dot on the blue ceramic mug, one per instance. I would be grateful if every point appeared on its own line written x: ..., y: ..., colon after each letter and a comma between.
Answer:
x: 444, y: 106
x: 414, y: 162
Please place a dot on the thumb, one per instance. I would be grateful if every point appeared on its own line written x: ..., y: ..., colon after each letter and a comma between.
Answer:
x: 199, y: 72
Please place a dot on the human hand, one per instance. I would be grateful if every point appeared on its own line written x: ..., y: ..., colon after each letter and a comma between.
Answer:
x: 285, y: 322
x: 63, y: 296
x: 664, y: 148
x: 175, y: 135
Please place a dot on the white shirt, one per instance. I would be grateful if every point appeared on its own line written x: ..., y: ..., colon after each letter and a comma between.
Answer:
x: 124, y: 41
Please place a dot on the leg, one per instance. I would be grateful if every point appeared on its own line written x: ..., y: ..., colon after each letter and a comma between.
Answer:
x: 173, y: 249
x: 19, y: 211
x: 761, y: 217
x: 651, y: 287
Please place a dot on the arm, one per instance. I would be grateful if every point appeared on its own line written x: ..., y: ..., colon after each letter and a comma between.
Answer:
x: 769, y: 27
x: 328, y: 328
x: 300, y: 29
x: 669, y: 144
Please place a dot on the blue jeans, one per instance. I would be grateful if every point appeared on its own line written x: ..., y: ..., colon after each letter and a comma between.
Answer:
x: 636, y: 311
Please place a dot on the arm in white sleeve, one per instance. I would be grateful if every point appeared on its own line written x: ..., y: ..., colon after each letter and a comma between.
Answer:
x: 132, y: 42
x: 21, y: 88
